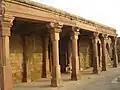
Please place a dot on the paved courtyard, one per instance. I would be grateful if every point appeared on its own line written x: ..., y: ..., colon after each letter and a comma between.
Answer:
x: 89, y: 81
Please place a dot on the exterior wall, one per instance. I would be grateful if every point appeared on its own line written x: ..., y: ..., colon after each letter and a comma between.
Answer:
x: 34, y: 53
x: 85, y: 52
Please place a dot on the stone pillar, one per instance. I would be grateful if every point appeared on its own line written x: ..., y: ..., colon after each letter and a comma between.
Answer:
x: 5, y: 68
x: 75, y: 62
x: 69, y: 53
x: 95, y: 53
x: 46, y: 69
x: 115, y: 57
x: 104, y: 53
x: 55, y: 29
x: 25, y: 65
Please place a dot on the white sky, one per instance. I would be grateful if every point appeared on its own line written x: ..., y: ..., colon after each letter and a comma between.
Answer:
x: 103, y: 11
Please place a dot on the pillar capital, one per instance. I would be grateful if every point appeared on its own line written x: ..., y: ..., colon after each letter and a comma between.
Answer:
x: 95, y: 35
x: 74, y: 33
x: 114, y: 39
x: 104, y: 36
x: 55, y: 27
x: 6, y: 24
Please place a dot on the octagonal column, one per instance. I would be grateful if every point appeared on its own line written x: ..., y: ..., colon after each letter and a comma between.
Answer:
x: 95, y: 53
x: 5, y: 68
x: 104, y: 52
x: 75, y: 64
x: 55, y: 29
x: 115, y: 57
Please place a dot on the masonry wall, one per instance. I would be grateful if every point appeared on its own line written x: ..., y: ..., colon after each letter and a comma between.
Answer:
x: 35, y: 57
x: 85, y: 53
x: 16, y: 57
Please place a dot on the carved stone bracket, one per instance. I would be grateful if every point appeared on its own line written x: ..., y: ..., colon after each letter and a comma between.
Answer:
x: 114, y: 39
x: 75, y: 32
x: 95, y: 35
x: 6, y: 24
x: 55, y: 29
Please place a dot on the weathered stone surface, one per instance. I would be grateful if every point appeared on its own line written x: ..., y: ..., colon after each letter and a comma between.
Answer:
x: 85, y: 54
x: 16, y: 58
x: 35, y: 57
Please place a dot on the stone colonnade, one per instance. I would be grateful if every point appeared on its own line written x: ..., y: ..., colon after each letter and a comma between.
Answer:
x: 103, y: 37
x: 55, y: 29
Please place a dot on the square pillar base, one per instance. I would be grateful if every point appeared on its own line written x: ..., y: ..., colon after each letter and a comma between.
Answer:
x: 75, y: 77
x: 104, y: 69
x: 96, y: 71
x: 56, y: 77
x: 6, y: 78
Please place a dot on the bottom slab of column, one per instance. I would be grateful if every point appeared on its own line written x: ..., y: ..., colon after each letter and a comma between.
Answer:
x: 104, y: 68
x: 5, y: 78
x: 115, y: 65
x: 96, y: 70
x: 75, y: 76
x: 56, y: 76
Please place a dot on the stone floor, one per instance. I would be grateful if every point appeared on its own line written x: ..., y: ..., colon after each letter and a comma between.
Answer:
x: 88, y: 81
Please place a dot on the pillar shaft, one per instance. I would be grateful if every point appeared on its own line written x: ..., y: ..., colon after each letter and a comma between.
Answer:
x: 26, y: 68
x: 104, y: 54
x: 95, y: 54
x: 75, y: 64
x: 5, y: 68
x: 115, y: 57
x: 56, y: 75
x: 55, y: 29
x: 69, y: 53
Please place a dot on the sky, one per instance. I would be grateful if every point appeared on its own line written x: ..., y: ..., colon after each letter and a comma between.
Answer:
x: 103, y: 11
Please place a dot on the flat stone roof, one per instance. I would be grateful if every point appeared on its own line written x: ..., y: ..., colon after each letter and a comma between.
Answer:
x: 63, y: 13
